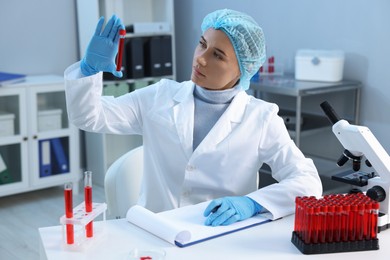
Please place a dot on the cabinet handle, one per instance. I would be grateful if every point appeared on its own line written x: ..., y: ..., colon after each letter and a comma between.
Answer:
x: 25, y: 138
x: 35, y: 137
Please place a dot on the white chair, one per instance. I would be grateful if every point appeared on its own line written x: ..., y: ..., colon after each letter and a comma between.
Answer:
x: 122, y: 182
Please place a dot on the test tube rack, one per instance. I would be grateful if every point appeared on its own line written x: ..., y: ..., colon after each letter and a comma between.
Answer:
x: 81, y: 218
x: 335, y: 223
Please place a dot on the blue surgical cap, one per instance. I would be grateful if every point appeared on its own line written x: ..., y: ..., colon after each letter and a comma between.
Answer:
x: 246, y: 37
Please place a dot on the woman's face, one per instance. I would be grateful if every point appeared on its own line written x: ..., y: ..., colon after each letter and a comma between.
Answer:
x: 215, y: 65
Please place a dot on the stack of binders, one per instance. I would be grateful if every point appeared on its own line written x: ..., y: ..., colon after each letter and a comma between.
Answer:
x: 148, y: 56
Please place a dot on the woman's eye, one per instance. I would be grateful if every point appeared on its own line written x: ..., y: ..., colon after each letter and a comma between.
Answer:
x: 202, y: 44
x: 216, y: 54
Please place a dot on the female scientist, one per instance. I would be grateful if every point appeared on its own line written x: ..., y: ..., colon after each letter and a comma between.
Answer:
x: 204, y: 139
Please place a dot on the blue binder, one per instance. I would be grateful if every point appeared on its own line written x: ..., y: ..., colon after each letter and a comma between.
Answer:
x: 44, y: 158
x: 61, y: 164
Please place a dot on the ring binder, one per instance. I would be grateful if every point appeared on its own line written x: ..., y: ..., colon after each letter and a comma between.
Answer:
x: 61, y: 161
x: 44, y: 158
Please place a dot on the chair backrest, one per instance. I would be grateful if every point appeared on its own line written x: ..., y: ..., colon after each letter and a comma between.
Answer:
x: 122, y: 182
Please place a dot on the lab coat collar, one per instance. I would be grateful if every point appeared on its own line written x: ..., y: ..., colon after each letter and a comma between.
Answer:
x: 184, y: 119
x: 183, y: 114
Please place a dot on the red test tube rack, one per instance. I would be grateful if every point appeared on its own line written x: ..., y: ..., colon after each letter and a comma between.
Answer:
x: 335, y: 223
x: 81, y: 216
x: 81, y: 219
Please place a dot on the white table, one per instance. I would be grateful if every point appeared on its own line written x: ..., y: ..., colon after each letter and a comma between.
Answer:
x: 271, y: 240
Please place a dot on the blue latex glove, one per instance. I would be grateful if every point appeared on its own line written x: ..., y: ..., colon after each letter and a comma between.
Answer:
x: 102, y: 49
x: 227, y: 210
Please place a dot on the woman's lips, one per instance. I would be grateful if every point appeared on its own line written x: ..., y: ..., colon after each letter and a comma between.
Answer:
x: 198, y: 73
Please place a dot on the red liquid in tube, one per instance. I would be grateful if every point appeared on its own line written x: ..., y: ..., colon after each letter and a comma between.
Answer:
x: 374, y: 220
x: 122, y: 34
x: 69, y: 212
x: 88, y: 200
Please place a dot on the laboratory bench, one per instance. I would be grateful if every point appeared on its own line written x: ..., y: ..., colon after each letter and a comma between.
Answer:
x: 117, y: 238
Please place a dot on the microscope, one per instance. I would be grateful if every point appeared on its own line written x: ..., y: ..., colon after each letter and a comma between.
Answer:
x: 360, y: 142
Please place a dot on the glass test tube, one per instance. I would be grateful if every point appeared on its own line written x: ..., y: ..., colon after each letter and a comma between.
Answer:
x: 345, y: 222
x: 352, y: 221
x: 374, y: 220
x: 122, y: 34
x: 68, y: 195
x: 323, y: 216
x: 330, y: 223
x: 367, y: 220
x: 359, y: 222
x: 88, y: 200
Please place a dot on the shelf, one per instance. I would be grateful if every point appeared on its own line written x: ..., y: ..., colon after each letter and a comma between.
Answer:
x: 131, y: 81
x: 310, y: 124
x: 287, y: 85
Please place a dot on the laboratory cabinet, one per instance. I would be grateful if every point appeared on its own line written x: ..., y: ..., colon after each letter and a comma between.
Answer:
x: 38, y: 146
x: 299, y: 106
x: 150, y: 33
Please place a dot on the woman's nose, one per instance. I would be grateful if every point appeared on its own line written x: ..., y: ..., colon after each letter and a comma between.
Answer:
x: 201, y: 60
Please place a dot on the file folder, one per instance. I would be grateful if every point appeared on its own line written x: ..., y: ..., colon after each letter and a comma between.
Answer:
x: 44, y: 158
x: 134, y: 57
x: 153, y: 59
x: 166, y: 55
x: 10, y: 78
x: 4, y: 174
x: 60, y: 162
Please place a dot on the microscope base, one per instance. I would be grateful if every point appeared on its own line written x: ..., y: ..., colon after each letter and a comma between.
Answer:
x: 383, y: 222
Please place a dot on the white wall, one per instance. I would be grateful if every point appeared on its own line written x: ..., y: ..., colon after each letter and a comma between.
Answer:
x: 359, y: 27
x: 37, y: 36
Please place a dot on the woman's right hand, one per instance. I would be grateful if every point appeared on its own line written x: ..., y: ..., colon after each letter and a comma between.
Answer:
x: 102, y: 49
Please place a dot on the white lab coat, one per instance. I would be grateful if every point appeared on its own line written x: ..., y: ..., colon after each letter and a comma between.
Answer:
x: 225, y: 163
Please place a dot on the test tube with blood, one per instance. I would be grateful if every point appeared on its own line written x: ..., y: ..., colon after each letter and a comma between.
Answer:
x: 367, y: 220
x: 122, y: 34
x: 309, y: 221
x: 352, y: 221
x: 337, y: 223
x: 69, y: 212
x: 316, y: 223
x: 345, y: 222
x: 271, y: 68
x: 374, y: 220
x: 360, y: 222
x: 323, y: 223
x: 298, y: 212
x: 88, y: 200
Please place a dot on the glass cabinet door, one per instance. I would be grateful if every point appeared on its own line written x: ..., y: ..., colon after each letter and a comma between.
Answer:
x: 52, y: 134
x: 13, y: 140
